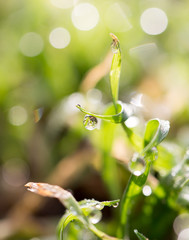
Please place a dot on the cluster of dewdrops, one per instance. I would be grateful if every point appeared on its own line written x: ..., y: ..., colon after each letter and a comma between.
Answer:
x: 85, y: 17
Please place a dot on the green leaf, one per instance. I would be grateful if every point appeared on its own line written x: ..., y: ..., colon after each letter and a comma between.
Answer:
x: 121, y: 116
x: 115, y: 68
x: 64, y: 221
x: 140, y: 235
x: 87, y: 206
x: 156, y: 131
x: 91, y: 203
x: 132, y: 189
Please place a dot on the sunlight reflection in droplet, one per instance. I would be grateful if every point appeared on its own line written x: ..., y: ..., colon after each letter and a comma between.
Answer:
x: 17, y: 115
x: 147, y: 191
x: 63, y: 3
x: 181, y: 222
x: 59, y: 38
x: 132, y: 122
x: 153, y: 21
x: 31, y: 44
x: 15, y: 172
x: 85, y: 16
x: 116, y: 18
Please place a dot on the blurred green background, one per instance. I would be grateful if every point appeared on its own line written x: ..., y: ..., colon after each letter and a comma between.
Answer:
x: 55, y: 54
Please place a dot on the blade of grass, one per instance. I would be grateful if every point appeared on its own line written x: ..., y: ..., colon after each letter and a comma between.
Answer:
x: 119, y: 117
x: 115, y: 69
x: 140, y: 235
x: 67, y: 199
x: 133, y: 188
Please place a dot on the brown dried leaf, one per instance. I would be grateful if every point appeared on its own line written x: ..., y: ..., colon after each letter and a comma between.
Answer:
x: 48, y: 190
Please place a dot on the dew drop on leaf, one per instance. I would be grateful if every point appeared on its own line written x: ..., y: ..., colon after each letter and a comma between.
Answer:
x: 95, y: 216
x: 90, y: 122
x: 98, y: 206
x: 114, y: 49
x: 115, y: 204
x: 137, y: 165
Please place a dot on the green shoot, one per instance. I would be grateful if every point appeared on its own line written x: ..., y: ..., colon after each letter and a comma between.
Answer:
x: 78, y: 211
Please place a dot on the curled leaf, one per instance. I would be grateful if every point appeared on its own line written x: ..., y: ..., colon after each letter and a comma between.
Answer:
x: 48, y: 190
x: 63, y: 223
x: 156, y: 131
x: 120, y: 117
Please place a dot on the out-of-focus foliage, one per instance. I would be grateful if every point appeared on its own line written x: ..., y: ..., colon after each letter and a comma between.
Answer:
x: 46, y: 57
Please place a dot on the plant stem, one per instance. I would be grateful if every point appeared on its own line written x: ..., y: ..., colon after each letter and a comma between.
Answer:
x: 132, y: 189
x: 101, y: 234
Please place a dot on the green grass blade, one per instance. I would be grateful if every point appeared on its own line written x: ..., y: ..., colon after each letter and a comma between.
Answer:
x: 120, y: 117
x: 140, y: 235
x: 64, y: 221
x: 115, y: 69
x: 134, y: 187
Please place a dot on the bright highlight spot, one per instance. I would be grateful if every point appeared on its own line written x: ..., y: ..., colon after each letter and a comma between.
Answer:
x: 181, y: 222
x: 184, y: 234
x: 59, y: 38
x: 132, y: 122
x: 63, y: 3
x: 31, y: 44
x: 85, y: 16
x: 147, y: 191
x: 116, y: 18
x: 17, y: 115
x: 137, y: 100
x: 153, y: 21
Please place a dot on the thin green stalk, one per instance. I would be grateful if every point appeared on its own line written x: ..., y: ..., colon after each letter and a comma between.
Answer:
x: 115, y: 70
x: 132, y: 189
x: 101, y: 234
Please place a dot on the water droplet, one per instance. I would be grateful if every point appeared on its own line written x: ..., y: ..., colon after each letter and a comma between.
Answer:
x: 95, y: 216
x: 115, y: 204
x: 114, y: 48
x: 153, y: 154
x: 90, y: 122
x: 98, y: 206
x: 137, y: 165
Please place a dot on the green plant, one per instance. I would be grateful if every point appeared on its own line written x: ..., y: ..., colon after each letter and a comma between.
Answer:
x: 87, y: 212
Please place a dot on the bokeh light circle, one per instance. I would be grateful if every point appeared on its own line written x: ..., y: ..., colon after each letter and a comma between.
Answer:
x: 85, y: 16
x: 181, y: 222
x: 184, y: 235
x: 31, y: 44
x: 147, y: 191
x: 153, y: 21
x: 17, y: 115
x: 59, y: 38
